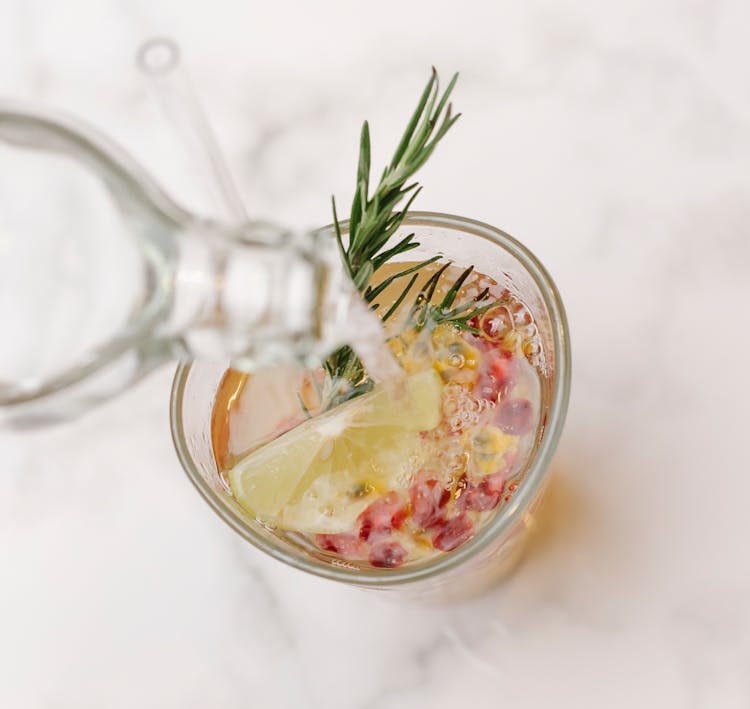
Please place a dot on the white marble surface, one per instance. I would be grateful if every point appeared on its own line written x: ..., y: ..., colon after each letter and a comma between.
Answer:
x: 614, y: 139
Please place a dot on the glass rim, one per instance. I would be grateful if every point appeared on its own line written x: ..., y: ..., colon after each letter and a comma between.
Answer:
x: 504, y: 520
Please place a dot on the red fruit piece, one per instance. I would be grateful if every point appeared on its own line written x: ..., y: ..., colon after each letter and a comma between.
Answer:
x: 485, y: 495
x: 486, y: 388
x: 346, y: 544
x: 387, y: 554
x: 504, y: 369
x: 497, y: 376
x: 428, y: 498
x: 515, y: 416
x: 453, y: 533
x: 496, y: 323
x: 382, y: 517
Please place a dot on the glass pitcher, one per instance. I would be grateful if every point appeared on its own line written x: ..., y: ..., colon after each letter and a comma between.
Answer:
x: 103, y: 276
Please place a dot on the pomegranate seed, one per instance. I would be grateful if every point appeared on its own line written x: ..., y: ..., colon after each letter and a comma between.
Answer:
x: 382, y: 517
x: 346, y: 544
x: 497, y: 376
x: 485, y: 495
x: 515, y: 416
x: 387, y: 554
x: 496, y: 323
x: 428, y: 498
x: 504, y: 369
x: 453, y: 533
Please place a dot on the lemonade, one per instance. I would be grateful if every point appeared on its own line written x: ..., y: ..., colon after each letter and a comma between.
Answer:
x: 391, y: 477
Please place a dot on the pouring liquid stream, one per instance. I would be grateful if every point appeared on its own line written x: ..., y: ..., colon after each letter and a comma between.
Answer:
x: 369, y: 343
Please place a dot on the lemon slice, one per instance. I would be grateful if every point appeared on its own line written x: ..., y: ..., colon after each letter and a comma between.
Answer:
x: 319, y: 476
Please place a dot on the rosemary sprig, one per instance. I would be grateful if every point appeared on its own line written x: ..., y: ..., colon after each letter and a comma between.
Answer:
x: 375, y: 217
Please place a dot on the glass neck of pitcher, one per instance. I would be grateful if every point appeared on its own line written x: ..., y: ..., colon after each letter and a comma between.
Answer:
x: 257, y: 295
x: 252, y: 295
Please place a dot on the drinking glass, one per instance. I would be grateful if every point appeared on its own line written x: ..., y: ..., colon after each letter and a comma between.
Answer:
x: 497, y: 545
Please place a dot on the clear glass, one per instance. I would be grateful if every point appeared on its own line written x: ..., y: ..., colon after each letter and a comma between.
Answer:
x: 103, y: 276
x: 496, y: 547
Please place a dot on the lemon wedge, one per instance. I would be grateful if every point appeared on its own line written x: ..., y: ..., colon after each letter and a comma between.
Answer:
x: 321, y: 475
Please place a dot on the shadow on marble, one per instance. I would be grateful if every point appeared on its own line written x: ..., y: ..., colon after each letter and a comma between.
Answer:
x: 562, y: 513
x: 560, y: 524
